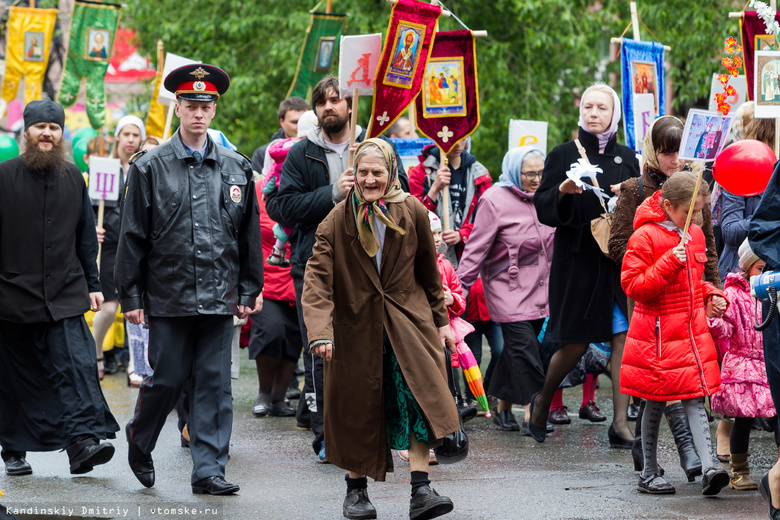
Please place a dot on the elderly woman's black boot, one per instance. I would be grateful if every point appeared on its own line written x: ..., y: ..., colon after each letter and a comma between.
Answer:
x: 681, y: 430
x: 357, y: 505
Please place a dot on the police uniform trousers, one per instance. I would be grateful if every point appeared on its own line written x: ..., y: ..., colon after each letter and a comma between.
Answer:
x: 50, y: 394
x: 193, y: 350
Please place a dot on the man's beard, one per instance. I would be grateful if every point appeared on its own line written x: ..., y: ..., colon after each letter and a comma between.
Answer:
x: 332, y: 126
x: 40, y: 161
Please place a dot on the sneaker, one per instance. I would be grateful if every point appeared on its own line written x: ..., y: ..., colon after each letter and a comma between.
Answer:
x: 321, y: 455
x: 278, y: 258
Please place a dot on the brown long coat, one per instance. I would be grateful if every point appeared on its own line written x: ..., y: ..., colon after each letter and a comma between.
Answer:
x: 347, y: 302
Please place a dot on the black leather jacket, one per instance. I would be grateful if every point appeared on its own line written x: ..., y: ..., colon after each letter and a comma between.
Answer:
x: 189, y: 241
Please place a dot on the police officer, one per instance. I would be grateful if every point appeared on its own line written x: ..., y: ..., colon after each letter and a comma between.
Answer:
x: 189, y: 258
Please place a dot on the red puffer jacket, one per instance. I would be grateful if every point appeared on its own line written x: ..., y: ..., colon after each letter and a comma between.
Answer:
x: 669, y: 353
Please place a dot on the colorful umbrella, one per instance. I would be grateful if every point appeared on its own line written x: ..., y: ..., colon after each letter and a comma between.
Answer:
x: 473, y: 375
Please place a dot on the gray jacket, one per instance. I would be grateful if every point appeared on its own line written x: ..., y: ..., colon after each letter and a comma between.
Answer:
x: 190, y: 233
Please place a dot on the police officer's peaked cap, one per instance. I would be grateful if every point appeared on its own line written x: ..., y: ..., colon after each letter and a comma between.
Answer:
x: 197, y: 82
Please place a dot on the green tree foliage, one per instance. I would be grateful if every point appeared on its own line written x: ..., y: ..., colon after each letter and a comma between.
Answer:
x: 539, y: 55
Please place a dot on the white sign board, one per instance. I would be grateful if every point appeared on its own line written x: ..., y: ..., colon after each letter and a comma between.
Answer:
x: 358, y: 60
x: 528, y: 133
x: 740, y: 85
x: 104, y: 178
x: 644, y: 115
x: 172, y: 62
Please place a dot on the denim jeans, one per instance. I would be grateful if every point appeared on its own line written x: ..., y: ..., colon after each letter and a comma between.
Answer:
x: 491, y: 331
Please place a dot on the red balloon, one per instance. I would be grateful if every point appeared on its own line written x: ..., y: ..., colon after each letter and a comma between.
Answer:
x: 744, y: 168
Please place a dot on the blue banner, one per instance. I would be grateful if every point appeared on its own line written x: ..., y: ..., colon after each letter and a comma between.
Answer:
x: 641, y: 72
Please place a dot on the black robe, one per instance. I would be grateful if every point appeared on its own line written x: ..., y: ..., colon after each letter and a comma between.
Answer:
x: 50, y: 393
x: 584, y: 283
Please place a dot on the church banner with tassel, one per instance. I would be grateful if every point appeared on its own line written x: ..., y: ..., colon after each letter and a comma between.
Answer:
x: 642, y: 72
x: 754, y: 38
x: 447, y: 109
x: 92, y: 31
x: 319, y: 49
x: 27, y: 44
x: 399, y: 75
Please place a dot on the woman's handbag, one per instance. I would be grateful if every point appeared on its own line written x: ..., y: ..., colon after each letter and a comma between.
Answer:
x: 455, y: 446
x: 600, y: 226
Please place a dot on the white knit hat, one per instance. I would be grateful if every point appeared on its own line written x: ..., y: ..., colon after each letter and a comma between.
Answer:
x: 435, y: 221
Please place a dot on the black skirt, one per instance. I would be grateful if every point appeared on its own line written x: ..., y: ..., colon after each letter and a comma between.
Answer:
x: 49, y: 388
x: 275, y: 332
x: 519, y: 373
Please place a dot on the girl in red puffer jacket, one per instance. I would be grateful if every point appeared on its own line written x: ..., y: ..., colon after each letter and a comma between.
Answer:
x: 669, y: 354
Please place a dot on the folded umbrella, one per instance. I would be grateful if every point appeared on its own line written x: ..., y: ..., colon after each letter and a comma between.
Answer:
x: 473, y: 375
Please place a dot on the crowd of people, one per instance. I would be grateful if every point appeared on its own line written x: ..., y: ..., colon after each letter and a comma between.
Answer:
x: 375, y: 276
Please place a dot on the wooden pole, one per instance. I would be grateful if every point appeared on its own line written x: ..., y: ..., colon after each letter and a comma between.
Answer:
x: 445, y: 196
x: 329, y: 7
x: 690, y: 207
x: 168, y: 122
x: 634, y: 21
x: 353, y: 127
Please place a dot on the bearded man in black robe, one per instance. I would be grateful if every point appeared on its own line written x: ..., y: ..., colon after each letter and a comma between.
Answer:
x: 50, y: 395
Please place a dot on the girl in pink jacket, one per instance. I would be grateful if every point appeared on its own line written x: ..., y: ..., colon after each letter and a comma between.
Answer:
x: 744, y: 392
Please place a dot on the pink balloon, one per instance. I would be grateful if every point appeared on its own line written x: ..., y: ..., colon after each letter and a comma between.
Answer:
x: 744, y: 168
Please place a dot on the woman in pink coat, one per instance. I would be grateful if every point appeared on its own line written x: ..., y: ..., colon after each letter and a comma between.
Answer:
x: 744, y: 388
x: 512, y: 250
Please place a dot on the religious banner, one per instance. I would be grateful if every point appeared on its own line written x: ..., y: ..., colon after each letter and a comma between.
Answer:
x: 447, y: 109
x: 736, y: 99
x: 27, y: 43
x: 90, y: 46
x: 155, y: 118
x: 766, y: 81
x: 399, y: 75
x: 704, y: 135
x: 319, y: 47
x: 126, y: 64
x: 754, y: 38
x: 644, y: 115
x: 641, y: 72
x: 104, y: 178
x: 528, y: 133
x: 358, y: 60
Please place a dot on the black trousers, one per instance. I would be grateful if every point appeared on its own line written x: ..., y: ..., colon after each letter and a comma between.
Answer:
x: 519, y: 373
x: 313, y: 394
x: 50, y: 394
x: 194, y: 348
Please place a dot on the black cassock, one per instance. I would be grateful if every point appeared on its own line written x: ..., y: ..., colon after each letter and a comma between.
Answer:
x: 50, y: 392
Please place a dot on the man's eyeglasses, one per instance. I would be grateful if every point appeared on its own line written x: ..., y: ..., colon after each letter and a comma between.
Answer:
x: 532, y: 175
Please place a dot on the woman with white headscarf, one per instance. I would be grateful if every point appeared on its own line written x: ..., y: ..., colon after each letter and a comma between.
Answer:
x: 587, y: 303
x: 511, y: 249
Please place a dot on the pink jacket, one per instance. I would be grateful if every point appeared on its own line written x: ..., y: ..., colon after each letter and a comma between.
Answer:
x: 513, y: 251
x: 460, y: 327
x: 744, y: 388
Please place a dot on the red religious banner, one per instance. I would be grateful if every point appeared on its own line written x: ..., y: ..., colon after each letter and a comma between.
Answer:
x: 399, y: 75
x: 126, y: 63
x: 447, y: 109
x: 754, y: 38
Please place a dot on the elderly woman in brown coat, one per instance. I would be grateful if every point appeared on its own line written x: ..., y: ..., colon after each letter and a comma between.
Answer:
x: 374, y: 308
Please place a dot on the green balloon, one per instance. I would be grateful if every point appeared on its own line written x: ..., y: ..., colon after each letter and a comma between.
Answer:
x: 87, y: 132
x: 79, y: 150
x: 8, y: 148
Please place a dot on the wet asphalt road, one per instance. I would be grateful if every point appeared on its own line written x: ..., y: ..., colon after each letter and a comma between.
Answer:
x: 574, y: 475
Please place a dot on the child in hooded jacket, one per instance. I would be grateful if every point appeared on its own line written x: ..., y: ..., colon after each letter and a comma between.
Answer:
x: 669, y: 353
x: 744, y: 392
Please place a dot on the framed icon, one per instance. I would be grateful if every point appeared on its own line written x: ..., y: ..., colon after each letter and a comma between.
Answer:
x: 98, y: 44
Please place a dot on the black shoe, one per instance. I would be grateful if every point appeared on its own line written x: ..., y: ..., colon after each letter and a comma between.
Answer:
x: 713, y: 481
x: 109, y: 362
x: 427, y: 503
x: 141, y: 463
x: 292, y: 393
x: 592, y: 413
x: 467, y: 413
x: 15, y: 464
x: 214, y: 486
x: 280, y: 410
x: 632, y: 413
x: 303, y: 425
x: 524, y: 431
x: 683, y: 438
x: 549, y: 428
x: 506, y: 420
x: 616, y: 441
x: 538, y: 434
x: 358, y: 506
x: 84, y: 455
x: 184, y: 442
x: 260, y: 409
x: 763, y: 488
x: 655, y: 485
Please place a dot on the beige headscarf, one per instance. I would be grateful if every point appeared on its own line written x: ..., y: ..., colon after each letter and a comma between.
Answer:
x: 364, y: 212
x: 648, y: 150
